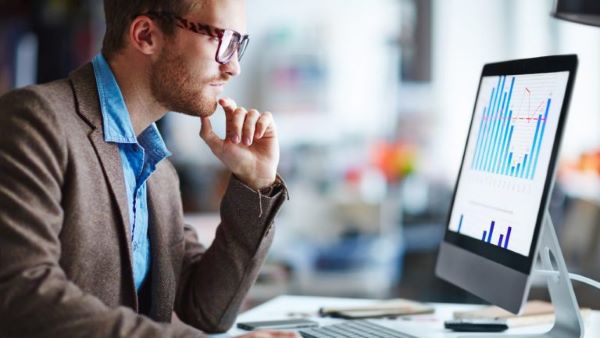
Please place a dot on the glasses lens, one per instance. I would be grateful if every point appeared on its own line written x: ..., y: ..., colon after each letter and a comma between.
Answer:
x: 227, y: 47
x: 242, y: 47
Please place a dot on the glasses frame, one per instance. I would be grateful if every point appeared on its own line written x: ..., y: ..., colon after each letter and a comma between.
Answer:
x: 241, y: 41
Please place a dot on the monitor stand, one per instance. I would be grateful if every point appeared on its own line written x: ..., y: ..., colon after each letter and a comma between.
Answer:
x: 568, y: 322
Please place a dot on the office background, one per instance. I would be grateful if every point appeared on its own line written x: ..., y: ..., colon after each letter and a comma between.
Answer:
x: 372, y: 100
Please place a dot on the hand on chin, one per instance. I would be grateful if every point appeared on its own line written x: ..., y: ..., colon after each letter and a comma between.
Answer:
x: 250, y: 149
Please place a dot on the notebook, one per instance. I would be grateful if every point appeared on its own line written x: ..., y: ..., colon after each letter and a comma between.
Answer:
x: 383, y: 309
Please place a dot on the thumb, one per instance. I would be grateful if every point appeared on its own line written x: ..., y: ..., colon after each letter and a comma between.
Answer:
x: 208, y: 135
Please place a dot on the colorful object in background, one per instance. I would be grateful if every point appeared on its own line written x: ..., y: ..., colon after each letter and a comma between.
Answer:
x: 590, y: 162
x: 396, y: 160
x: 586, y: 163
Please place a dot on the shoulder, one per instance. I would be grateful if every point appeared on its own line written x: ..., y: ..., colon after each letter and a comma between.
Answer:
x: 31, y: 135
x: 38, y: 102
x: 37, y: 114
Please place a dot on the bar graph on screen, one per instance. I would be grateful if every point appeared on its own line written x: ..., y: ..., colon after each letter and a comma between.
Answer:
x: 503, y: 239
x: 510, y: 142
x: 511, y: 134
x: 492, y: 235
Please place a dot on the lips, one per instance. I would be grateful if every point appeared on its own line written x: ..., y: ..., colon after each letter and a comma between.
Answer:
x: 217, y: 88
x: 218, y: 83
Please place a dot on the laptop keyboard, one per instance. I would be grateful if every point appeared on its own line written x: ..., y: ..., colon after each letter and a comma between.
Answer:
x: 353, y: 329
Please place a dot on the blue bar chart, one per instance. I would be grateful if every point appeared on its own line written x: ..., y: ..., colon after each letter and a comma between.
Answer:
x: 503, y: 239
x: 505, y: 165
x: 496, y: 151
x: 490, y: 234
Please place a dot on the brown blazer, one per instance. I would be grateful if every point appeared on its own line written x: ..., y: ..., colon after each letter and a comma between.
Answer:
x: 65, y: 242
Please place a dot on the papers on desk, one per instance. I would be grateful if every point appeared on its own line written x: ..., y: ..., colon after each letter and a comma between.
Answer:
x: 383, y: 309
x: 535, y: 312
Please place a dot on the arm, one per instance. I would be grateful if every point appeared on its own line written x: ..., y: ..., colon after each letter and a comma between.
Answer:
x: 214, y: 283
x: 36, y: 297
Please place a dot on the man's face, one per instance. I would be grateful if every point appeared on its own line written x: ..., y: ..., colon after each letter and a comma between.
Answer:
x: 186, y: 77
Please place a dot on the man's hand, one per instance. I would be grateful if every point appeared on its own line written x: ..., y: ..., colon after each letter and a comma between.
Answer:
x: 250, y: 149
x: 270, y: 334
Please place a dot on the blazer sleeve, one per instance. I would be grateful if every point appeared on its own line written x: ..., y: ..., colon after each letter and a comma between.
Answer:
x: 36, y: 297
x: 214, y: 282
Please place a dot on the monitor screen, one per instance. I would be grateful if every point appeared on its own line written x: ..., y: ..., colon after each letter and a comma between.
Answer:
x: 505, y: 178
x: 505, y: 167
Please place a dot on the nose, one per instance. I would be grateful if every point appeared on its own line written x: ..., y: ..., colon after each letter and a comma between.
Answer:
x: 233, y: 67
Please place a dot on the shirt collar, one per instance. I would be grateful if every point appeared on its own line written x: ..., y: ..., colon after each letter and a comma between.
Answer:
x: 115, y: 116
x: 153, y: 143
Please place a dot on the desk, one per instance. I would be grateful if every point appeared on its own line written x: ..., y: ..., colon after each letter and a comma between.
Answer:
x: 285, y: 307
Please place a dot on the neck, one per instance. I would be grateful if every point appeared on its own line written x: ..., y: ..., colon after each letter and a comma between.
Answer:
x: 134, y: 82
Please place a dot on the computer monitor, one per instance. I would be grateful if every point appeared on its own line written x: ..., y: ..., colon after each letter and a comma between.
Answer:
x: 506, y: 177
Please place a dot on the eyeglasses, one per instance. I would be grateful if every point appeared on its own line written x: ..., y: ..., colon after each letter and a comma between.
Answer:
x: 230, y: 41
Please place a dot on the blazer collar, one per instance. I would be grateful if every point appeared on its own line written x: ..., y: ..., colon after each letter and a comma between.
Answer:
x: 86, y: 95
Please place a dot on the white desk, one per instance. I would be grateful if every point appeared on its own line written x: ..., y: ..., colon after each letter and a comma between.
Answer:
x: 285, y: 307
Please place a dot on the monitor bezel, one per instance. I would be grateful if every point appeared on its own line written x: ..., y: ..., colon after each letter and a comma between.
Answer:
x: 546, y: 64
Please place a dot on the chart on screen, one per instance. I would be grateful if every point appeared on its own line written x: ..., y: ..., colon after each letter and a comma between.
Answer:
x: 510, y: 142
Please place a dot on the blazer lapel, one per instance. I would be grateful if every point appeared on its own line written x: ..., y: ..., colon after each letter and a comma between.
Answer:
x: 111, y: 165
x: 86, y: 95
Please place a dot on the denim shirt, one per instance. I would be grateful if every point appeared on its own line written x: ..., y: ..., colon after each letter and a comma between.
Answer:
x: 139, y: 157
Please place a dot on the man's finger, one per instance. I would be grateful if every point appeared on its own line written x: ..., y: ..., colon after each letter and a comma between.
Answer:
x: 264, y: 123
x: 250, y: 126
x: 208, y: 135
x: 228, y: 104
x: 235, y: 122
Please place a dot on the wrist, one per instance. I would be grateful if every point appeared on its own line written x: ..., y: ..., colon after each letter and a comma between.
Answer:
x: 260, y: 184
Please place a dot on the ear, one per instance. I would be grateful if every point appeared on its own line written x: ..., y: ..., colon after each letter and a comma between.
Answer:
x: 145, y: 35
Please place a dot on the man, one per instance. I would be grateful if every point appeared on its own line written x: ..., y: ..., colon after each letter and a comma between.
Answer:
x: 92, y: 241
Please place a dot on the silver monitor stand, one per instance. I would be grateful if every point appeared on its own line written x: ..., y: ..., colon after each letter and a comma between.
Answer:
x: 568, y: 322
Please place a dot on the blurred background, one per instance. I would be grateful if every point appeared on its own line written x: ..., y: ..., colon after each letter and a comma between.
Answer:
x: 373, y: 101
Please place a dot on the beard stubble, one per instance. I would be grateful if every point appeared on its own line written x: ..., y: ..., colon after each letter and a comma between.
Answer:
x: 176, y: 88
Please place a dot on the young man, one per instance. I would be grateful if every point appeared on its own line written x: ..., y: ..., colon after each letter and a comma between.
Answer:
x: 92, y: 240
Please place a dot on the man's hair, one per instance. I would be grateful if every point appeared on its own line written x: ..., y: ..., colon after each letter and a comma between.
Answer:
x: 120, y: 13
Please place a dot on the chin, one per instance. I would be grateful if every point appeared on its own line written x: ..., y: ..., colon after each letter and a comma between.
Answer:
x: 203, y: 108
